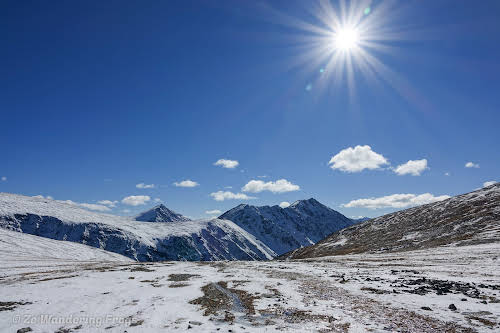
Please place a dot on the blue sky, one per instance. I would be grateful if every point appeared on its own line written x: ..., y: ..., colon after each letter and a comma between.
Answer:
x: 97, y: 97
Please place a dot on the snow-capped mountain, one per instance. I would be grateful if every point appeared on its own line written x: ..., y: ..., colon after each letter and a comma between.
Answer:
x: 284, y: 229
x: 467, y: 219
x: 183, y: 240
x: 160, y: 213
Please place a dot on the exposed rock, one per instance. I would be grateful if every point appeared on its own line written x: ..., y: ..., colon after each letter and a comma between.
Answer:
x: 468, y: 219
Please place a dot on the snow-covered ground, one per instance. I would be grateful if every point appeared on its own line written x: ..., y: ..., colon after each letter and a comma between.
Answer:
x: 397, y: 292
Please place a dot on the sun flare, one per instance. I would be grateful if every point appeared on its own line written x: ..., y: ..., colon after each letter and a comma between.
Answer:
x: 346, y: 39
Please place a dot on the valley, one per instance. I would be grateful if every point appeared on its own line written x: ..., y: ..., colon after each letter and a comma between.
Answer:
x: 400, y: 292
x: 432, y: 268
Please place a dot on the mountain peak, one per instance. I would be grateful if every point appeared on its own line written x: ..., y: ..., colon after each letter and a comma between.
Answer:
x: 241, y: 206
x: 284, y: 229
x: 234, y: 210
x: 308, y: 202
x: 160, y: 213
x: 160, y: 206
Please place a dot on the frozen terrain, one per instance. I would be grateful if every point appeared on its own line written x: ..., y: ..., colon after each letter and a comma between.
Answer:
x: 392, y: 292
x: 213, y: 239
x: 302, y: 223
x: 433, y: 268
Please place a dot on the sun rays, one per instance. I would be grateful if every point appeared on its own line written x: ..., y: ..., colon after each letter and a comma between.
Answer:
x: 344, y: 41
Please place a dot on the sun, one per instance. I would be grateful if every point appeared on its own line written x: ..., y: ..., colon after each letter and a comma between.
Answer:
x: 346, y: 39
x: 343, y: 40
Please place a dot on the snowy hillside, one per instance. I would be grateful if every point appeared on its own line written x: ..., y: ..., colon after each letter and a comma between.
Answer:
x: 468, y: 219
x: 160, y: 213
x: 19, y: 246
x: 284, y: 229
x: 183, y: 240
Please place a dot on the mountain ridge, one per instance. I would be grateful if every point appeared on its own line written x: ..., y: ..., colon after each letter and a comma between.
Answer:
x: 466, y: 219
x: 203, y: 240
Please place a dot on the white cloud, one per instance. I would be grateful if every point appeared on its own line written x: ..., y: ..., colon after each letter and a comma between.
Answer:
x: 90, y: 206
x: 471, y: 165
x: 144, y: 186
x: 4, y: 179
x: 395, y: 201
x: 447, y: 174
x: 412, y: 167
x: 213, y: 212
x: 157, y: 200
x: 228, y: 164
x: 186, y: 183
x: 101, y: 208
x: 491, y: 182
x: 279, y: 186
x: 226, y: 195
x: 228, y: 187
x: 42, y: 197
x: 108, y: 203
x: 69, y: 202
x: 97, y: 207
x: 357, y: 159
x: 136, y: 200
x: 284, y: 204
x: 126, y: 211
x: 265, y: 176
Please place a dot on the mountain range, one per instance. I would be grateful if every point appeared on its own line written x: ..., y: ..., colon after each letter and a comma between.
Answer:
x: 243, y: 233
x: 305, y: 229
x: 467, y: 219
x: 432, y: 268
x: 213, y: 239
x: 284, y: 229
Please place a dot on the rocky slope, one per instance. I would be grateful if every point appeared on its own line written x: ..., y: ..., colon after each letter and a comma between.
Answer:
x: 467, y: 219
x: 283, y: 229
x: 182, y: 240
x: 160, y: 213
